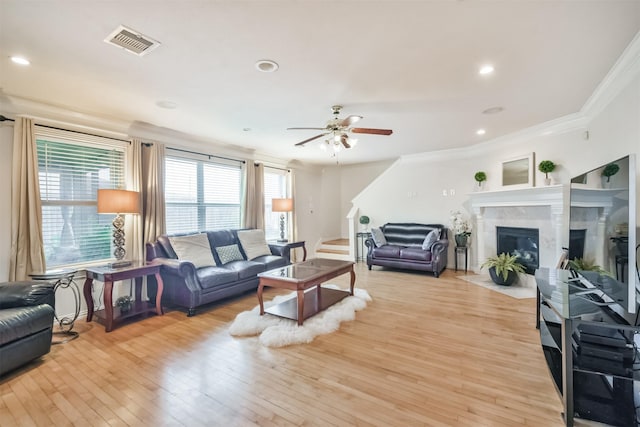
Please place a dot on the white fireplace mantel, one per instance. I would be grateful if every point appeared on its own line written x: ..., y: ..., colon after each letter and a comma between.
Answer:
x: 556, y: 197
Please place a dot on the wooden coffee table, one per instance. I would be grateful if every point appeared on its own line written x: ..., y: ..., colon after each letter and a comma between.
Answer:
x: 300, y: 277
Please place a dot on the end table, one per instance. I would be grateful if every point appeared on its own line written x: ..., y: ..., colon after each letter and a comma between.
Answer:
x: 464, y: 251
x: 63, y: 279
x: 287, y: 246
x: 110, y: 315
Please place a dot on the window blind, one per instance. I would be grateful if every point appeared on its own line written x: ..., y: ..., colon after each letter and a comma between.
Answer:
x: 201, y: 195
x: 275, y: 187
x: 70, y: 173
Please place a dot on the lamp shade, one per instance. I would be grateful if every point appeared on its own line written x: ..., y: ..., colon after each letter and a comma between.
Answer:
x: 118, y: 202
x: 281, y: 205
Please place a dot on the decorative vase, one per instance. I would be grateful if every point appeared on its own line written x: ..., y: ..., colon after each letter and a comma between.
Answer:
x: 461, y: 240
x: 547, y: 181
x: 499, y: 280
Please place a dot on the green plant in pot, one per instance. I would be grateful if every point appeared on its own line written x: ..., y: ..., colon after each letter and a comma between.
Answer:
x: 364, y: 221
x: 582, y: 264
x: 546, y: 167
x: 480, y: 177
x: 503, y: 268
x: 610, y: 170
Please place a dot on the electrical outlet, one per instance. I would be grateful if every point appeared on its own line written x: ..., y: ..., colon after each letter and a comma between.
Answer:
x: 444, y: 193
x: 452, y: 192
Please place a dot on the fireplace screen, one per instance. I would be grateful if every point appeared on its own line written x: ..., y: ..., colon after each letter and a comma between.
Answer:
x: 522, y: 242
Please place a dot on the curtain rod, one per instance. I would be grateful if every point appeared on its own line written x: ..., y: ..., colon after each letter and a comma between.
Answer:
x: 207, y: 155
x: 7, y: 119
x: 273, y: 167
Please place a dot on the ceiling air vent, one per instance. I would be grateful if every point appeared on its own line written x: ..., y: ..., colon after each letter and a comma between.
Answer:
x: 132, y: 41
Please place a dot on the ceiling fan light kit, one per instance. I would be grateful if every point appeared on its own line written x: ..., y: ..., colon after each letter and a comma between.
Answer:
x: 339, y: 130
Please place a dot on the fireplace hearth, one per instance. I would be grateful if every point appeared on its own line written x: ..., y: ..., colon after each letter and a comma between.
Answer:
x: 522, y: 242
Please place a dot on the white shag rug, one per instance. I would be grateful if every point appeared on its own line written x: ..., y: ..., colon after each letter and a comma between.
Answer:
x: 524, y: 287
x: 276, y: 331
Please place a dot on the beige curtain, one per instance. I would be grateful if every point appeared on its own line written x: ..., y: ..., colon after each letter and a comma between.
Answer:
x: 253, y: 203
x: 153, y: 213
x: 27, y: 248
x: 134, y: 223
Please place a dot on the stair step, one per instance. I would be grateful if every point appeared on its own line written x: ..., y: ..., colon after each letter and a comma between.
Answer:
x: 334, y: 251
x: 337, y: 242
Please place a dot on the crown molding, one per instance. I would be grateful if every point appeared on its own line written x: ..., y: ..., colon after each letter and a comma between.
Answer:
x: 626, y: 68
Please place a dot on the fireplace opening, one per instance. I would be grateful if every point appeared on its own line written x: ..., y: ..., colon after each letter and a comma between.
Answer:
x: 576, y: 243
x: 522, y: 242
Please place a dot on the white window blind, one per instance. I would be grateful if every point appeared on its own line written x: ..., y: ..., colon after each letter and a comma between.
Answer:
x: 70, y: 173
x: 275, y: 187
x: 201, y: 195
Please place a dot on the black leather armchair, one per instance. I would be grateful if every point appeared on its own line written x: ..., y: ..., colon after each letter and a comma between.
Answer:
x: 26, y: 322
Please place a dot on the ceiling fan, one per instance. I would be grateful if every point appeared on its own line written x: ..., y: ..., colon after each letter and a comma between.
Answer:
x: 339, y: 129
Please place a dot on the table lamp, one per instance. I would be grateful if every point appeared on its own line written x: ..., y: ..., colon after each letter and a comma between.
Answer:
x: 282, y: 206
x: 118, y: 202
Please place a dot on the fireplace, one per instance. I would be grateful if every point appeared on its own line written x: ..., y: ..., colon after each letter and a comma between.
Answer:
x: 576, y: 243
x: 522, y: 242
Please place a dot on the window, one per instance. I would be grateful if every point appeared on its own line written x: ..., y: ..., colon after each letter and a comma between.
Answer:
x: 70, y: 172
x: 275, y: 187
x: 201, y: 195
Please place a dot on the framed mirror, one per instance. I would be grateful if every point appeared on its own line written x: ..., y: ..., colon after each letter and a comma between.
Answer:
x: 519, y: 171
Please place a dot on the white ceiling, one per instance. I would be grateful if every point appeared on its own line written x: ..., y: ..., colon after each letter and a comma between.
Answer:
x: 410, y: 66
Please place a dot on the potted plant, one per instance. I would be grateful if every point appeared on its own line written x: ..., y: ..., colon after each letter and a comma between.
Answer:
x: 124, y: 303
x: 480, y: 177
x: 503, y: 268
x: 364, y: 221
x: 461, y: 228
x: 610, y: 170
x: 581, y: 264
x: 546, y: 167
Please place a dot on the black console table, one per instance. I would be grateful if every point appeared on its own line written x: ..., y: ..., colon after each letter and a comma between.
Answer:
x: 590, y: 348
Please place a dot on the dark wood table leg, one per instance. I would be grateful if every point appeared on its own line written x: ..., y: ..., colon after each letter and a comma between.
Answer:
x: 353, y: 279
x: 159, y: 310
x: 108, y: 305
x: 260, y: 286
x: 88, y: 297
x: 304, y: 253
x: 138, y: 291
x: 300, y: 306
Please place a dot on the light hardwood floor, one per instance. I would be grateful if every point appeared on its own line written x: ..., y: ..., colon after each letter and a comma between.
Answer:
x: 425, y: 352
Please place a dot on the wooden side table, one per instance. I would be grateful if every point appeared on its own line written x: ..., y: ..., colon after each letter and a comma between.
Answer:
x: 287, y: 246
x: 111, y: 315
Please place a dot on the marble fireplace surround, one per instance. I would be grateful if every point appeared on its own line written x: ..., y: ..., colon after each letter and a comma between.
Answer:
x: 544, y: 208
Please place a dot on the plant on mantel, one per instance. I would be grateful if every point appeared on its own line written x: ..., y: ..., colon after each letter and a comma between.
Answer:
x: 546, y: 167
x: 480, y: 177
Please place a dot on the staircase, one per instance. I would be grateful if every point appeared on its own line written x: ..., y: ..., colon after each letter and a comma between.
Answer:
x: 334, y: 249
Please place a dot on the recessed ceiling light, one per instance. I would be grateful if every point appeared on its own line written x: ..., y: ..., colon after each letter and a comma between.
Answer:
x: 267, y: 66
x: 20, y: 60
x: 481, y: 132
x: 493, y: 110
x: 246, y: 129
x: 168, y: 105
x: 486, y: 69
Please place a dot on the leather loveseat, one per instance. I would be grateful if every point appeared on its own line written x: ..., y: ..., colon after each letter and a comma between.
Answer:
x: 26, y: 322
x: 406, y: 246
x: 232, y: 268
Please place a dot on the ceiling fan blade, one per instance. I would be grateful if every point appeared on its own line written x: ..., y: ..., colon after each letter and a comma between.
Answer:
x: 349, y: 121
x: 311, y: 139
x: 306, y: 128
x: 372, y: 131
x: 343, y: 139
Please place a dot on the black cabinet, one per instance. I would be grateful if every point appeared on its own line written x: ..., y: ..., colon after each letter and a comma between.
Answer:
x: 590, y: 349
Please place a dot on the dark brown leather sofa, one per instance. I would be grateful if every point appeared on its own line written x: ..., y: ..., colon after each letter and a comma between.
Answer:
x: 404, y: 248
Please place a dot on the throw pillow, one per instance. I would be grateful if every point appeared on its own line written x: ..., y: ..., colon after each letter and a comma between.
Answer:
x: 378, y: 237
x: 253, y: 243
x: 229, y: 253
x: 432, y: 237
x: 194, y: 248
